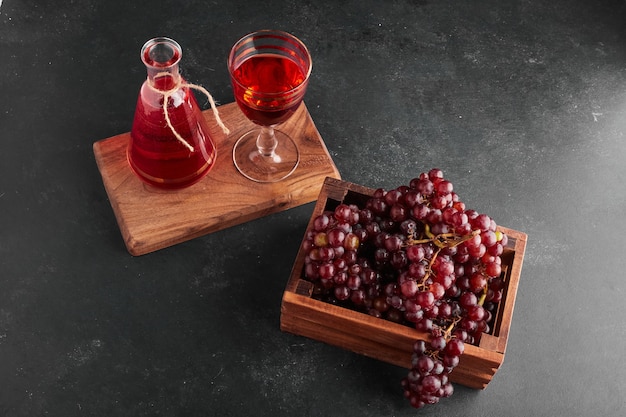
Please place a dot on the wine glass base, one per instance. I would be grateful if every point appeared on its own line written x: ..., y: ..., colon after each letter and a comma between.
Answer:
x: 255, y: 166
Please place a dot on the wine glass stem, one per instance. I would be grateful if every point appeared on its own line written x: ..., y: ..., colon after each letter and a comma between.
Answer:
x: 266, y: 142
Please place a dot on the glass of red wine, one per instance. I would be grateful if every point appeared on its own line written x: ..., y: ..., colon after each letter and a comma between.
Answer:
x: 269, y: 72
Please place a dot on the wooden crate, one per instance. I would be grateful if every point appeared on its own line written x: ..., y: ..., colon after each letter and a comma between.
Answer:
x: 385, y: 340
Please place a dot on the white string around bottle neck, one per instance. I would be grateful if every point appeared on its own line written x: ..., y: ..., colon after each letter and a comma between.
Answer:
x: 168, y: 93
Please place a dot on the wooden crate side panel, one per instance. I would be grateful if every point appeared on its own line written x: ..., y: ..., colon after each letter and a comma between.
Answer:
x: 344, y: 340
x: 362, y: 325
x: 475, y: 370
x: 513, y: 260
x: 379, y: 340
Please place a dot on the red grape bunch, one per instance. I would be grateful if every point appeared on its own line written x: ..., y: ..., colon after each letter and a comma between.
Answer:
x: 413, y: 255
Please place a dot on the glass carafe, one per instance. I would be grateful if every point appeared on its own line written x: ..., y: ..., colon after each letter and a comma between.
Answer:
x: 170, y: 146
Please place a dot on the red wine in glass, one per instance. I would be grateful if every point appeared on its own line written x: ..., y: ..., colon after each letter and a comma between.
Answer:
x: 269, y: 73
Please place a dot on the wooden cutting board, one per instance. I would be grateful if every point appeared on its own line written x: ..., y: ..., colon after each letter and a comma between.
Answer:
x: 151, y: 219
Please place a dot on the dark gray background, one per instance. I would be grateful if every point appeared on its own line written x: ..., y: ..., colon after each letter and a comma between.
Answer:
x: 522, y: 103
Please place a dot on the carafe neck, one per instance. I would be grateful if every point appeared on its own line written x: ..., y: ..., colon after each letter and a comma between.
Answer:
x: 161, y: 57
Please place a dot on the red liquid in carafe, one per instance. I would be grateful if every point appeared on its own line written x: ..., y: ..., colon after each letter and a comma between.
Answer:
x: 268, y: 73
x: 155, y: 154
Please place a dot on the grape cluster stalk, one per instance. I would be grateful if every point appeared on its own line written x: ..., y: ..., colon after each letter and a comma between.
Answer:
x: 413, y: 255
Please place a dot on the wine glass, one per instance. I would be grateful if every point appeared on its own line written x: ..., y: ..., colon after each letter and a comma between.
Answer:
x: 269, y: 72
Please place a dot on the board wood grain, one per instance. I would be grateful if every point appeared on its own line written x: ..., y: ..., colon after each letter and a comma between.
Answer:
x: 151, y: 219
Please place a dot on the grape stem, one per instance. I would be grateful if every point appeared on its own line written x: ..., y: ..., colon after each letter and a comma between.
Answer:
x: 483, y: 296
x: 448, y: 332
x: 442, y: 240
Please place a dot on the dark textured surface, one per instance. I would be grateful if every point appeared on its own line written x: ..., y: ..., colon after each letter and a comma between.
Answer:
x: 521, y: 103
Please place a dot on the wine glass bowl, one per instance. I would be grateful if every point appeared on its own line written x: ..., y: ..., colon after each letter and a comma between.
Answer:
x: 269, y: 72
